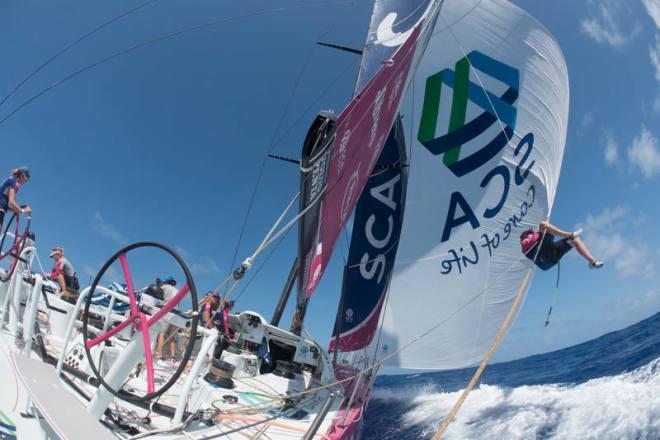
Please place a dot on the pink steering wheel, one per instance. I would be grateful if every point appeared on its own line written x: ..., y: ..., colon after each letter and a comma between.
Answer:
x: 141, y: 321
x: 14, y: 251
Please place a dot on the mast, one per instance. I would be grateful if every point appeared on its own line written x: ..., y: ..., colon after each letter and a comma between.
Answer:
x: 284, y: 298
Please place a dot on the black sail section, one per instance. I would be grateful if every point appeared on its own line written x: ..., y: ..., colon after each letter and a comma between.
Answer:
x: 374, y: 243
x: 313, y: 177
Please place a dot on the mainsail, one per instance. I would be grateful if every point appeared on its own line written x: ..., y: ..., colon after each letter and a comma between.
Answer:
x: 361, y: 130
x: 490, y: 112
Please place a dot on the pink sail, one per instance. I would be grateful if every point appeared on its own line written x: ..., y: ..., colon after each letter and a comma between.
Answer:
x: 362, y: 129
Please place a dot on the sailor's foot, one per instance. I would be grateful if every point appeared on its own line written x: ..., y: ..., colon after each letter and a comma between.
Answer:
x: 596, y: 264
x: 576, y: 234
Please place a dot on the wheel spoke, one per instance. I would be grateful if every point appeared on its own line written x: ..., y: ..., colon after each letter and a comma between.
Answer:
x: 129, y: 284
x: 141, y: 322
x: 110, y: 333
x: 144, y: 327
x: 169, y: 305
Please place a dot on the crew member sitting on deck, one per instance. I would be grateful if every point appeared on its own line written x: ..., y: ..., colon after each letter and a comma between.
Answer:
x: 552, y: 251
x: 8, y: 190
x: 169, y: 335
x: 65, y: 275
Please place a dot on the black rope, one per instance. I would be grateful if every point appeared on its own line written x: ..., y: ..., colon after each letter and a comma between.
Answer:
x: 71, y: 45
x: 256, y: 272
x: 155, y: 40
x: 271, y: 147
x: 274, y: 142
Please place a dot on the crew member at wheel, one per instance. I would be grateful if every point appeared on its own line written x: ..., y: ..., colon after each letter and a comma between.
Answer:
x: 551, y: 250
x: 168, y: 286
x: 8, y: 190
x: 65, y: 275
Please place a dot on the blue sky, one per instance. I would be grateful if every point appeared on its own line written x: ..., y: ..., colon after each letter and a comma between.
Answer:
x: 165, y: 143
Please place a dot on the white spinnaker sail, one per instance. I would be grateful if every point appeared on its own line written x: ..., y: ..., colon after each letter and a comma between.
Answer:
x: 484, y: 167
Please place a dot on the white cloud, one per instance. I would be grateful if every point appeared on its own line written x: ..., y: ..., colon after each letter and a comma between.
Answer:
x: 585, y: 123
x: 107, y: 230
x: 183, y: 253
x: 606, y: 219
x: 654, y: 53
x: 110, y: 276
x: 611, y: 150
x: 202, y: 266
x: 603, y: 234
x: 644, y: 153
x: 653, y: 9
x: 634, y: 261
x: 603, y: 25
x: 205, y: 266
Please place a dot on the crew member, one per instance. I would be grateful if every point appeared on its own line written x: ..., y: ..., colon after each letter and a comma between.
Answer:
x: 19, y: 176
x: 169, y: 335
x: 545, y: 251
x: 65, y: 275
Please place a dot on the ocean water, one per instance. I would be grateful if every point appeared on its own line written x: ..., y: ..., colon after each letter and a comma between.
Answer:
x: 606, y: 388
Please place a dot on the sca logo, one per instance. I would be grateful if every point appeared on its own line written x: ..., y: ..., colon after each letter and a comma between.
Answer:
x: 498, y: 110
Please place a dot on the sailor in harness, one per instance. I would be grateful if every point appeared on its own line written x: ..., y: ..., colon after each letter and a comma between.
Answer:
x: 9, y: 189
x: 545, y: 251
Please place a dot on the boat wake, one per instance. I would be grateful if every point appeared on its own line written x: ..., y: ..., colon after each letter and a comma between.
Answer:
x: 626, y: 406
x: 606, y: 388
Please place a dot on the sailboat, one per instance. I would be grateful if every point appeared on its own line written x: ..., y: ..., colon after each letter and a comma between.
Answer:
x: 450, y: 147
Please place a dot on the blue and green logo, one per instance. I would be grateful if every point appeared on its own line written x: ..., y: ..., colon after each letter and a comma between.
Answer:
x: 7, y: 428
x: 494, y: 108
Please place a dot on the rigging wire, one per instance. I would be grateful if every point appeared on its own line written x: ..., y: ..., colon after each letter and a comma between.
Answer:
x: 159, y: 38
x: 274, y: 142
x: 72, y: 45
x: 554, y: 294
x: 414, y: 340
x: 256, y: 272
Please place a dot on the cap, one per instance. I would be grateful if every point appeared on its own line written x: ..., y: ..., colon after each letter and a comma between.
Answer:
x: 56, y: 250
x: 169, y: 279
x: 25, y: 171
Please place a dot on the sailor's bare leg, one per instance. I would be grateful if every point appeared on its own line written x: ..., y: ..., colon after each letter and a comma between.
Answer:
x: 159, y: 345
x: 582, y: 249
x: 546, y: 226
x: 173, y: 345
x: 65, y: 293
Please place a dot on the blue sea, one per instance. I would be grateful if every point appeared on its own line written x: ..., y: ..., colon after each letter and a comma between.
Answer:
x: 606, y: 388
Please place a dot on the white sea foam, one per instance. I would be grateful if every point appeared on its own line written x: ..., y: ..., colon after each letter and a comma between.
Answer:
x: 626, y: 406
